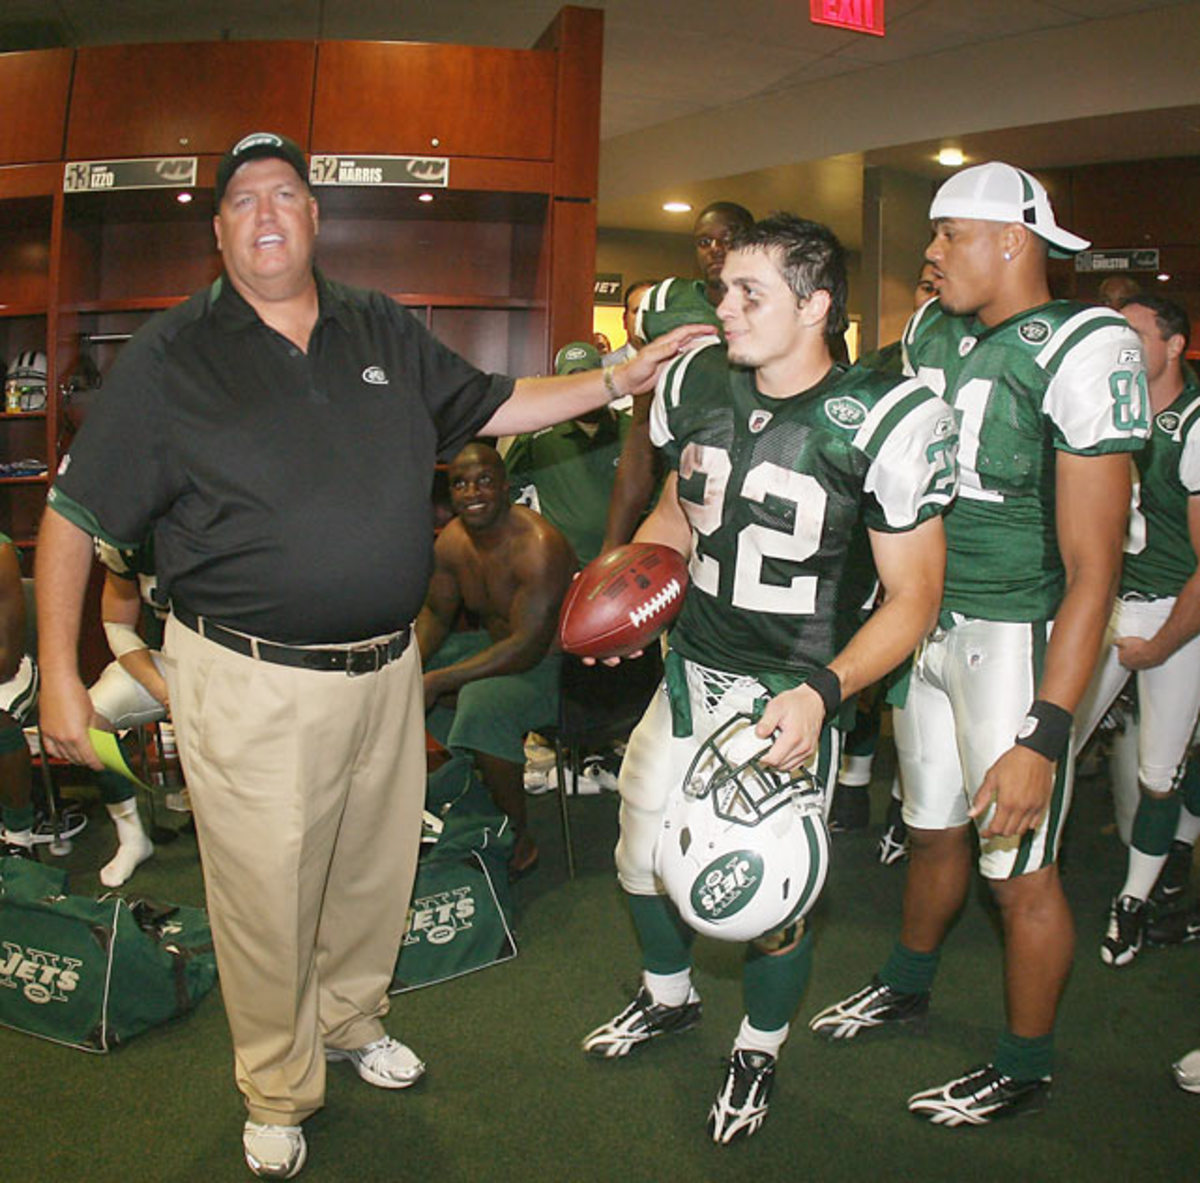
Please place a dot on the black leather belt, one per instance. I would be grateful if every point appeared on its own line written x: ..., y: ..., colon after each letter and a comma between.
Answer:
x: 342, y: 659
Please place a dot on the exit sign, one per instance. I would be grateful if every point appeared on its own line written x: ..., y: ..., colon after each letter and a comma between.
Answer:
x: 863, y: 16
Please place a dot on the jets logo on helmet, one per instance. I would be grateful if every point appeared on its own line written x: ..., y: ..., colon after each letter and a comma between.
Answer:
x: 743, y: 850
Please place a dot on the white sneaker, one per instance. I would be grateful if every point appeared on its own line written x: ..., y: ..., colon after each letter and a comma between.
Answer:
x: 385, y: 1062
x: 178, y: 802
x: 274, y: 1151
x: 1187, y: 1071
x: 595, y: 778
x: 539, y: 780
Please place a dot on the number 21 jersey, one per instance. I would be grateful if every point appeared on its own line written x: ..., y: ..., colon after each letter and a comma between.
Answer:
x: 1058, y: 377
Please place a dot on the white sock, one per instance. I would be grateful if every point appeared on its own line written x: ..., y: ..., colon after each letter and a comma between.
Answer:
x: 1143, y: 873
x: 751, y: 1039
x: 668, y: 989
x: 856, y: 771
x: 1188, y: 829
x: 134, y: 847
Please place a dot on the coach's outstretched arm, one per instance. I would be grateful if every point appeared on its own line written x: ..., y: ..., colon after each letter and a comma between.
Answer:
x: 540, y: 402
x: 64, y: 560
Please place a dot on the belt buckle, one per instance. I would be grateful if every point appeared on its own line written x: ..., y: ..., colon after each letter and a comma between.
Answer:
x: 362, y: 661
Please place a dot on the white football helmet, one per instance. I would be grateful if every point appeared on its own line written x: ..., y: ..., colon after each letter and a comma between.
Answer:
x: 743, y: 851
x: 25, y: 382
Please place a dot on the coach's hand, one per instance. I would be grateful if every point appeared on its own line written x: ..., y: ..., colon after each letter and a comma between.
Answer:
x: 65, y: 712
x: 1019, y: 785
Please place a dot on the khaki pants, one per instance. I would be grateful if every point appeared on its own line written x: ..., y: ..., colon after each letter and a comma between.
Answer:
x: 307, y: 789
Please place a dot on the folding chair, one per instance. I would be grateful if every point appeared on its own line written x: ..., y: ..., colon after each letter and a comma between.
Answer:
x: 599, y: 705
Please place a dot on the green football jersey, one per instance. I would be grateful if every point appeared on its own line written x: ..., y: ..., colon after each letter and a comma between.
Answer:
x: 566, y: 474
x: 1059, y: 377
x: 1159, y: 558
x: 135, y: 562
x: 780, y: 493
x: 671, y: 303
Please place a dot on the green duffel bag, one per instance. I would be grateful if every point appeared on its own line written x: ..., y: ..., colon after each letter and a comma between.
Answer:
x: 460, y: 918
x: 91, y: 973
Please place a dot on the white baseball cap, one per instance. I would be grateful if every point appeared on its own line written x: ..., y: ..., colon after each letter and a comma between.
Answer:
x: 998, y: 192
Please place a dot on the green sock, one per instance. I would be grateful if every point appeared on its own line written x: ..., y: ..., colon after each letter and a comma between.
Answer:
x: 17, y: 819
x: 908, y: 971
x: 666, y: 942
x: 1154, y: 823
x: 114, y: 788
x: 773, y: 983
x: 1025, y: 1059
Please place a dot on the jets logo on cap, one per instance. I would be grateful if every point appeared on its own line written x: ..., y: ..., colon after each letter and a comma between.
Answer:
x: 254, y: 139
x: 376, y: 375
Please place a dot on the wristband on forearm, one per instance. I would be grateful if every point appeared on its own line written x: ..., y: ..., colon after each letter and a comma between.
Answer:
x: 827, y: 684
x: 122, y: 639
x: 610, y: 383
x: 1046, y: 730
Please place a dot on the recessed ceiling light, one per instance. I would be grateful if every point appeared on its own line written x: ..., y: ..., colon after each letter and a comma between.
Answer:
x: 951, y: 157
x: 677, y: 207
x: 1162, y: 277
x: 426, y: 197
x: 183, y: 198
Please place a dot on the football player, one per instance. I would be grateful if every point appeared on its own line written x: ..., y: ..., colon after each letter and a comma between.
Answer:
x: 677, y: 302
x: 1050, y: 396
x: 1155, y: 621
x: 18, y: 698
x: 782, y: 465
x: 130, y: 692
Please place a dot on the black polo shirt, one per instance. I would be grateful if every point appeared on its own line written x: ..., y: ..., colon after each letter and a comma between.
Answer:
x: 289, y: 493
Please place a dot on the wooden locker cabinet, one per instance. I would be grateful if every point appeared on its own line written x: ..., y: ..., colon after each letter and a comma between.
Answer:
x: 28, y: 197
x: 192, y: 98
x: 499, y: 264
x: 404, y: 98
x: 34, y: 87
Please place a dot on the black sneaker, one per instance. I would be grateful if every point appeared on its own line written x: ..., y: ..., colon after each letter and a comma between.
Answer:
x: 873, y: 1006
x: 741, y: 1105
x: 16, y: 850
x: 642, y: 1020
x: 1175, y: 875
x: 71, y: 821
x: 850, y: 809
x: 1126, y: 922
x: 981, y: 1095
x: 1174, y: 928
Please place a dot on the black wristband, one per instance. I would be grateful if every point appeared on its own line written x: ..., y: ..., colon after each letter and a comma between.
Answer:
x: 1046, y: 729
x: 826, y: 683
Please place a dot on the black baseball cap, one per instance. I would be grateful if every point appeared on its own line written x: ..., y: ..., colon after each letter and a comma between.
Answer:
x: 259, y: 145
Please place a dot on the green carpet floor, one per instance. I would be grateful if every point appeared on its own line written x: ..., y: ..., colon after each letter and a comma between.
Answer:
x: 508, y: 1095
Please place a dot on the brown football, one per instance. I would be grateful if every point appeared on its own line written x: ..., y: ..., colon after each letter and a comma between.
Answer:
x: 622, y: 600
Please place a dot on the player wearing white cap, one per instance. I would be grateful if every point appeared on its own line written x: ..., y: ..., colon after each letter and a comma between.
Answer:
x: 1050, y: 396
